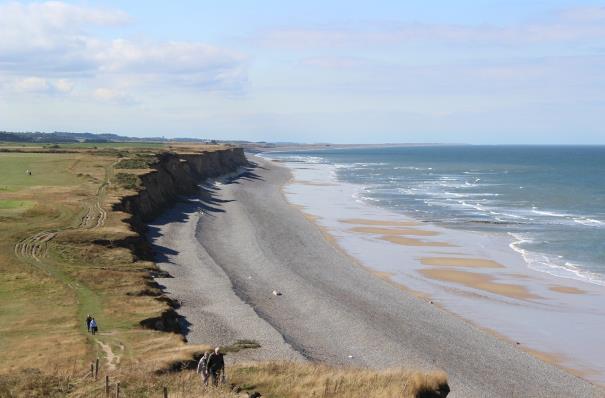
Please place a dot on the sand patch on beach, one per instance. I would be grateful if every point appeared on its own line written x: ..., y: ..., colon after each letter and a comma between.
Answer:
x: 393, y: 231
x: 400, y: 240
x: 384, y: 223
x: 314, y: 183
x: 567, y: 289
x: 479, y: 281
x: 460, y: 262
x: 518, y: 276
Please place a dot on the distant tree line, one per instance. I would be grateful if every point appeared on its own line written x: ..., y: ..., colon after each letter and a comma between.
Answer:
x: 67, y: 137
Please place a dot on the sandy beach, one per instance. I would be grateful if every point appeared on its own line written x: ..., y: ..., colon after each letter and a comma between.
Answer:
x: 229, y: 249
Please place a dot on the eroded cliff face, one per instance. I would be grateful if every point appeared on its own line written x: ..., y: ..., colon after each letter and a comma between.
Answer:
x: 178, y: 174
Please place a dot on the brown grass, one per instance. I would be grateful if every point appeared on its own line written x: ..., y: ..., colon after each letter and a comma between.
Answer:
x: 273, y: 379
x: 298, y: 380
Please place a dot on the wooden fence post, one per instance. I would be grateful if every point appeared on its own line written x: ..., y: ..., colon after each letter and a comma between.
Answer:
x: 106, y: 386
x: 97, y: 369
x: 118, y: 390
x: 165, y: 392
x: 92, y: 370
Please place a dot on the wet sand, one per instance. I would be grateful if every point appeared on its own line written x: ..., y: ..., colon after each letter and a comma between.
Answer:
x: 400, y: 240
x: 460, y: 262
x: 567, y: 290
x: 382, y: 223
x: 393, y: 231
x: 479, y: 281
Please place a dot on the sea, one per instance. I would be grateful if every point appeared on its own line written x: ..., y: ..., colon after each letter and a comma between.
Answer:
x: 548, y: 201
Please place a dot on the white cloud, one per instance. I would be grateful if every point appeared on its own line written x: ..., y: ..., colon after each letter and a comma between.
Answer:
x: 32, y: 84
x: 40, y: 85
x: 63, y: 85
x: 52, y: 40
x: 50, y: 37
x: 180, y: 63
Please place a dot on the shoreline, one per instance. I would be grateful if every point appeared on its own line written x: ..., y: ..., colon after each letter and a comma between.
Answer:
x: 460, y: 277
x: 551, y: 358
x: 250, y: 241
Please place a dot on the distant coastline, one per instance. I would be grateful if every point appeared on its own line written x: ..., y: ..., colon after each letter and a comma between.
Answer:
x: 294, y: 147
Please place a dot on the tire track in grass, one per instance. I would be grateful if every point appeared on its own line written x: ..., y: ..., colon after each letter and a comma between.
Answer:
x: 33, y: 250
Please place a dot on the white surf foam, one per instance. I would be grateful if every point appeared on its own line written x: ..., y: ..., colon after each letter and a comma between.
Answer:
x: 543, y: 263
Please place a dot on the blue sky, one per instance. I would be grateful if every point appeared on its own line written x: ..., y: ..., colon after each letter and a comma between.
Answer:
x: 485, y: 72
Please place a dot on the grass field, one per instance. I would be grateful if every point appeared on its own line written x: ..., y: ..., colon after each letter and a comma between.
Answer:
x: 46, y: 171
x: 64, y: 253
x: 53, y: 275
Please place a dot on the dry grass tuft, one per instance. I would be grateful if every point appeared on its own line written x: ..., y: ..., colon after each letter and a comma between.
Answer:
x: 291, y: 379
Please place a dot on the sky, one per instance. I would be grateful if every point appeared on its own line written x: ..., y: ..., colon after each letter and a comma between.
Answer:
x: 482, y: 72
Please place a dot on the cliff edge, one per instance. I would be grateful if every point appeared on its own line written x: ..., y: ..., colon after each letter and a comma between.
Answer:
x: 177, y: 174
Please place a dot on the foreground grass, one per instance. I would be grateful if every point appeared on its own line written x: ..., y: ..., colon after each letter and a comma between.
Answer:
x: 298, y: 380
x: 272, y: 380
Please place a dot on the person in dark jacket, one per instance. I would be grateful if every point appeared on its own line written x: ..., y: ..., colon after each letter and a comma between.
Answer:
x: 216, y: 367
x: 88, y: 319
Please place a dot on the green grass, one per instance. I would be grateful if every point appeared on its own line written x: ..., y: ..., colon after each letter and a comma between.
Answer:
x: 47, y: 170
x: 128, y: 181
x: 137, y: 163
x: 8, y: 204
x: 114, y: 145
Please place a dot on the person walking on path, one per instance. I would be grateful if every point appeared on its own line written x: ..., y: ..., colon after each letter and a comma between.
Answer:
x: 88, y: 319
x: 216, y: 367
x: 202, y: 367
x: 93, y: 326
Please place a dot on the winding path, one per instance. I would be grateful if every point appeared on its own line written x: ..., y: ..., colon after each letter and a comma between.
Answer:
x: 34, y: 250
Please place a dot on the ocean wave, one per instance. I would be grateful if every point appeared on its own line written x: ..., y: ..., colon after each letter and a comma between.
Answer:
x: 544, y: 263
x: 590, y: 222
x: 412, y: 168
x: 549, y: 213
x: 488, y: 172
x: 370, y: 164
x: 475, y: 206
x: 569, y: 218
x: 297, y: 158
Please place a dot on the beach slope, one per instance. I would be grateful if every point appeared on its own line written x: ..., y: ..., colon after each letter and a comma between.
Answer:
x: 230, y: 250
